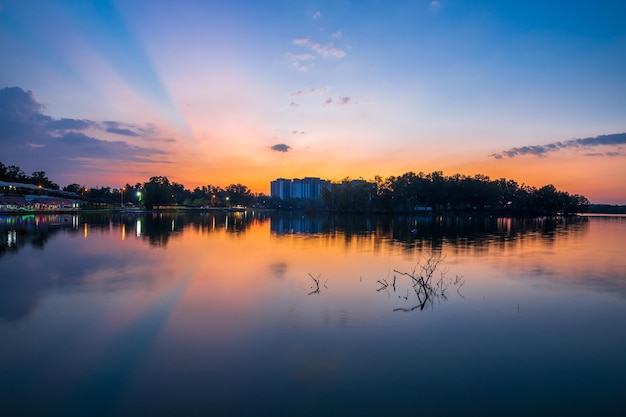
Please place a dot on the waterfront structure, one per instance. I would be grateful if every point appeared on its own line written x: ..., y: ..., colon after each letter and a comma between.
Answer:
x: 21, y: 196
x: 307, y: 187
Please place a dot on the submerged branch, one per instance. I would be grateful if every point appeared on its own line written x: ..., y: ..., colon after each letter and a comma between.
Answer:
x: 316, y: 288
x: 427, y: 290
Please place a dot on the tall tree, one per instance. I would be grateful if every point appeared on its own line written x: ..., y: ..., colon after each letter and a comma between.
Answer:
x: 40, y: 178
x: 157, y: 192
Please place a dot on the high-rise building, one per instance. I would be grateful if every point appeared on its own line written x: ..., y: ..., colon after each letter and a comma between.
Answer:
x: 281, y: 188
x: 307, y: 187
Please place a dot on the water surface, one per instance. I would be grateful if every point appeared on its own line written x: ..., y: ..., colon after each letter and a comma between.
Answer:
x: 216, y: 314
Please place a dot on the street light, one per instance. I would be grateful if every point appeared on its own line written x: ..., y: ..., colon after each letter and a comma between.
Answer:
x: 122, y: 195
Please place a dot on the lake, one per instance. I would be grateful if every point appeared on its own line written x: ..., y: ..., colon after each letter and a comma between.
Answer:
x: 266, y: 314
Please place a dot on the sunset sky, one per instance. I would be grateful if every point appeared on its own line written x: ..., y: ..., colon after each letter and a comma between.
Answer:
x: 102, y: 93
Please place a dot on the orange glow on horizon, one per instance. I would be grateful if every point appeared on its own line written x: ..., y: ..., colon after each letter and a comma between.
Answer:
x: 600, y: 179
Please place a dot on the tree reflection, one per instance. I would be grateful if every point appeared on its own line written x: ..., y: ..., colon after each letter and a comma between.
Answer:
x: 429, y: 232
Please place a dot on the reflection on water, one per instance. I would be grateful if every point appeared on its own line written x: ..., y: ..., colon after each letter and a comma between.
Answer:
x: 270, y: 314
x: 158, y: 228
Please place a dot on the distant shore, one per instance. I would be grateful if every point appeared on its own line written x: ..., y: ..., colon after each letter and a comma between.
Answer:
x: 593, y: 209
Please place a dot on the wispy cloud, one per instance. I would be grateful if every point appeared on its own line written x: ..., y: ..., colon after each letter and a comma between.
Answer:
x: 310, y: 91
x: 615, y: 140
x: 317, y: 15
x: 301, y: 62
x: 337, y: 34
x: 280, y: 147
x: 324, y: 50
x: 119, y: 129
x: 435, y: 4
x: 306, y: 93
x: 70, y: 124
x: 302, y: 57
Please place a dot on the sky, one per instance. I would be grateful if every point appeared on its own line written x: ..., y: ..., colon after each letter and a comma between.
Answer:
x: 104, y: 93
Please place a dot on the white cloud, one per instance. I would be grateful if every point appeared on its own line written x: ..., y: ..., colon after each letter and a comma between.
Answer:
x: 317, y: 15
x: 337, y: 34
x: 301, y: 57
x: 328, y: 50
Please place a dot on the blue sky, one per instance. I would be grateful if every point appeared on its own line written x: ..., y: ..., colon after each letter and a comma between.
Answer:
x: 217, y: 92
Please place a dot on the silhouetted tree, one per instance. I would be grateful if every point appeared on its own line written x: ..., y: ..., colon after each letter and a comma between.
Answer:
x: 180, y: 194
x: 238, y: 195
x: 157, y: 192
x: 14, y: 173
x: 41, y: 179
x: 74, y: 188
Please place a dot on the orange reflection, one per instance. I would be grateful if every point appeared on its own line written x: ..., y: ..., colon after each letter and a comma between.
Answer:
x: 196, y: 271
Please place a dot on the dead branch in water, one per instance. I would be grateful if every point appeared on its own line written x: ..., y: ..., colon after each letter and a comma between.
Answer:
x: 427, y: 289
x: 316, y: 288
x: 316, y: 281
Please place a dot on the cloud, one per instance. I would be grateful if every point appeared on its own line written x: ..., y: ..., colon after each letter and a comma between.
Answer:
x: 119, y: 129
x: 301, y: 61
x: 301, y: 57
x: 317, y: 15
x: 307, y: 92
x: 337, y: 34
x: 310, y: 91
x: 340, y: 101
x: 328, y: 50
x: 615, y: 139
x: 27, y: 135
x: 280, y: 147
x: 70, y: 124
x: 82, y: 145
x: 435, y: 4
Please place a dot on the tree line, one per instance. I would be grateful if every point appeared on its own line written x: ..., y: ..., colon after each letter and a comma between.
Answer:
x: 434, y: 191
x: 408, y: 192
x: 13, y: 173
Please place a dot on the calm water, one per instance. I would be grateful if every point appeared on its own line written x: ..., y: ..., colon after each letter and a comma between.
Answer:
x: 220, y: 315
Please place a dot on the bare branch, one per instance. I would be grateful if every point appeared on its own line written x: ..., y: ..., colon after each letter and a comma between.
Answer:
x: 316, y: 288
